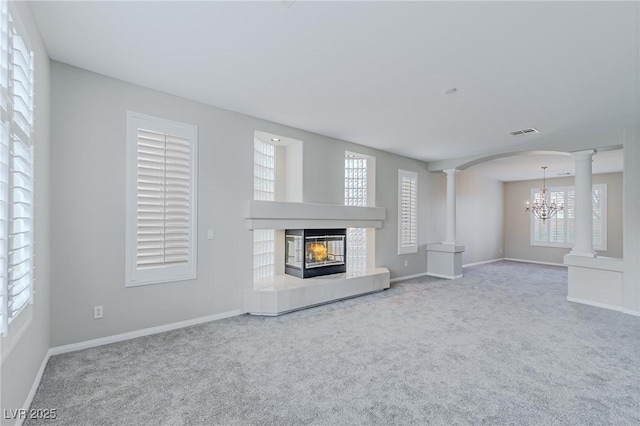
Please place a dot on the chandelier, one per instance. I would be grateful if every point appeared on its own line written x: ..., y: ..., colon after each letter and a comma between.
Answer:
x: 542, y: 208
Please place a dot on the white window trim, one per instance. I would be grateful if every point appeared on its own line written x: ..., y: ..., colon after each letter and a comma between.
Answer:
x: 407, y: 248
x: 567, y: 245
x: 164, y: 274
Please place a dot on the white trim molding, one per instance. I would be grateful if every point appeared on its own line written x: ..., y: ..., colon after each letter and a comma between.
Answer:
x: 483, y: 262
x: 284, y: 215
x: 599, y: 305
x: 113, y: 339
x: 448, y: 277
x: 408, y: 277
x: 140, y: 333
x: 34, y: 386
x: 534, y: 261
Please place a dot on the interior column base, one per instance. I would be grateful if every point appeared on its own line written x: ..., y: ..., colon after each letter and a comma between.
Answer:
x: 444, y: 260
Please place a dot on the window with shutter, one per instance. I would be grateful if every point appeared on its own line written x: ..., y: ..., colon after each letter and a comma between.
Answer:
x: 4, y: 159
x: 407, y: 212
x: 16, y: 171
x: 559, y: 231
x: 161, y: 219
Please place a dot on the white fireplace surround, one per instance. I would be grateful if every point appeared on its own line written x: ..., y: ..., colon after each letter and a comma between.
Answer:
x: 284, y: 293
x: 285, y: 215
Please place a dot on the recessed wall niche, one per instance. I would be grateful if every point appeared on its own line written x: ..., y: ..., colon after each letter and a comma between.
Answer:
x: 277, y: 176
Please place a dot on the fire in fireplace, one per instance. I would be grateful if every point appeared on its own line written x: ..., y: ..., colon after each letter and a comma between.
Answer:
x: 315, y: 252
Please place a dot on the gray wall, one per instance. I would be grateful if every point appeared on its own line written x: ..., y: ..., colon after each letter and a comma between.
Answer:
x: 88, y: 205
x: 517, y: 222
x: 631, y: 288
x: 24, y: 356
x: 480, y: 234
x: 480, y: 216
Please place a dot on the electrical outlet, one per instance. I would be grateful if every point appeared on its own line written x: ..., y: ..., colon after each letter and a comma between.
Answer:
x: 406, y: 263
x: 210, y: 234
x: 98, y: 312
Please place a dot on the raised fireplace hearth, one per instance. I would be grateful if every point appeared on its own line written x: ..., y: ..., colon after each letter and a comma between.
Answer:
x: 282, y: 293
x: 315, y: 252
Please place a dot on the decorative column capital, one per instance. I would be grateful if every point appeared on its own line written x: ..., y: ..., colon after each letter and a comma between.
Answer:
x: 451, y: 171
x: 584, y: 155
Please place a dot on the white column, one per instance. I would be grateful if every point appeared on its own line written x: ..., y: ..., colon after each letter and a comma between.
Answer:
x: 583, y: 211
x: 451, y: 206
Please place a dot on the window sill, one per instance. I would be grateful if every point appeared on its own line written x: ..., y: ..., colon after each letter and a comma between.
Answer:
x: 17, y: 329
x: 163, y: 280
x: 565, y: 246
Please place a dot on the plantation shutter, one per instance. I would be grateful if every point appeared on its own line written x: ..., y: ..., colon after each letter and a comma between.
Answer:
x: 4, y: 185
x: 540, y: 233
x: 599, y: 196
x: 161, y: 222
x: 4, y: 62
x: 20, y: 178
x: 163, y: 199
x: 557, y: 229
x: 4, y: 160
x: 408, y: 194
x: 570, y: 207
x: 21, y: 227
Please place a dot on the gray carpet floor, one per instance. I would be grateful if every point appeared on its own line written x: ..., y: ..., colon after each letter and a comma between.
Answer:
x: 499, y: 346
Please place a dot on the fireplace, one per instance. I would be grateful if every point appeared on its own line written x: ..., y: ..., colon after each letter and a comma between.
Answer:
x: 315, y: 252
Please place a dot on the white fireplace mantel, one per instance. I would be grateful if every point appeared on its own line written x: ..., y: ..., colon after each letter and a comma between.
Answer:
x: 285, y: 293
x: 285, y: 215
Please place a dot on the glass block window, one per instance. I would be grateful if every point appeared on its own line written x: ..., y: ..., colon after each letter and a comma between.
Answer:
x: 264, y: 183
x: 355, y: 194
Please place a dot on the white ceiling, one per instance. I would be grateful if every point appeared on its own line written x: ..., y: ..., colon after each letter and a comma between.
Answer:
x: 374, y: 73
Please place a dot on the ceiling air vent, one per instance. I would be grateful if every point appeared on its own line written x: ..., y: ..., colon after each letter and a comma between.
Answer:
x: 525, y: 131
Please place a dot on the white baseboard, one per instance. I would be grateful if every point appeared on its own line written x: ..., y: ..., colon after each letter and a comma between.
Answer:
x: 112, y: 339
x: 140, y: 333
x: 534, y: 261
x: 604, y: 306
x: 448, y: 277
x: 596, y: 304
x: 407, y: 277
x: 483, y: 262
x: 34, y: 386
